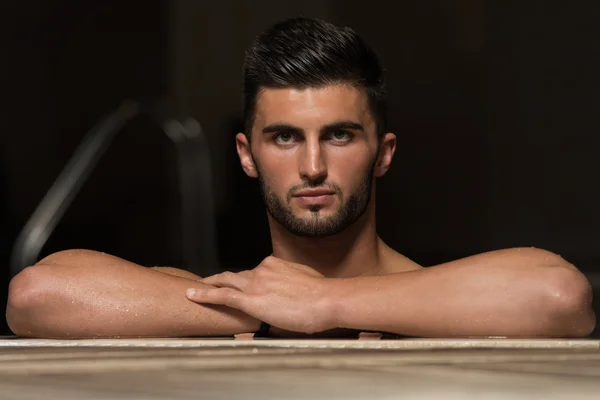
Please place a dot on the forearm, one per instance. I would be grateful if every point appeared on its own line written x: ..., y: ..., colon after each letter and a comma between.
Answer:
x: 122, y: 299
x: 178, y: 272
x: 467, y: 300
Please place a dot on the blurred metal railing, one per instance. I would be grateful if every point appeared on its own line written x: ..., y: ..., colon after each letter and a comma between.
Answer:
x: 198, y: 226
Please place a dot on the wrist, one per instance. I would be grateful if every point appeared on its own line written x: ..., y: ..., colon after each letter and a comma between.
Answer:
x: 332, y: 305
x: 244, y: 323
x: 254, y: 325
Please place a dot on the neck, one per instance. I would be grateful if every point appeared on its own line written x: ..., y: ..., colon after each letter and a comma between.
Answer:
x: 353, y: 252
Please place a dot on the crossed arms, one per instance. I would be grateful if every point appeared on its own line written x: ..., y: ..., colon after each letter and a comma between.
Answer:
x: 514, y: 293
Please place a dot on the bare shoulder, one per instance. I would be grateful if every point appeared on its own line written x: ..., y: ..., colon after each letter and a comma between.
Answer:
x: 394, y: 262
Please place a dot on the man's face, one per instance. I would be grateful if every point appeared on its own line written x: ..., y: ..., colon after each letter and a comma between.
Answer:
x: 314, y: 152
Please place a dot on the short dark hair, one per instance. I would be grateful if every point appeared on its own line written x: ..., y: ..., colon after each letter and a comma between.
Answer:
x: 307, y: 52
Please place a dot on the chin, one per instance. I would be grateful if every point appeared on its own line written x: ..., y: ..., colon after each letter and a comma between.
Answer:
x: 319, y: 210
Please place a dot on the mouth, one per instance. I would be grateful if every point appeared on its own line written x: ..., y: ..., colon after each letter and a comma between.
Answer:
x: 314, y: 193
x: 311, y: 198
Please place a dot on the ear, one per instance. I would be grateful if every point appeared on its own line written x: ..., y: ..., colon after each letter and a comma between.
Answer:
x: 386, y: 154
x: 243, y: 150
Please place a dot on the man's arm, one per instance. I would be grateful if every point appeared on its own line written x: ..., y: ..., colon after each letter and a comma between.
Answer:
x: 516, y: 293
x: 178, y: 272
x: 79, y: 293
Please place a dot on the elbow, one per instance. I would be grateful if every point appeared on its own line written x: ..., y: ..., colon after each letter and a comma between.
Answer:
x: 570, y: 307
x: 24, y: 295
x: 33, y: 290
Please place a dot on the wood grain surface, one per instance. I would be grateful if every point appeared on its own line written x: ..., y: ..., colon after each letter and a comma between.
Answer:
x: 299, y: 369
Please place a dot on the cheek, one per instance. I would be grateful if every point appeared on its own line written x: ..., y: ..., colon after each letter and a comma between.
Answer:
x: 277, y: 171
x: 348, y: 169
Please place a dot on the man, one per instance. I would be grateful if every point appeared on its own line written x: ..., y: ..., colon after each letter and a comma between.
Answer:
x: 316, y: 139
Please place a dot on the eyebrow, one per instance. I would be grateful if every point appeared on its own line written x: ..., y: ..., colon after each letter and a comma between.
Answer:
x: 282, y: 127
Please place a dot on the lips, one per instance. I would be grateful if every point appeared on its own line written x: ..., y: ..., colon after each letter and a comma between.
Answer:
x: 313, y: 193
x: 314, y: 197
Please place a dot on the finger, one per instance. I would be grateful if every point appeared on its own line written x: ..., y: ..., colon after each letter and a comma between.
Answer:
x: 223, y: 296
x: 227, y: 280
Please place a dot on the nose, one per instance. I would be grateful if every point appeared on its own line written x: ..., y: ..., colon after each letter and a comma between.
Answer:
x: 312, y: 164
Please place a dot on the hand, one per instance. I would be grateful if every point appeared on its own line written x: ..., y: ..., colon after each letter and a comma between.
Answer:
x: 286, y: 295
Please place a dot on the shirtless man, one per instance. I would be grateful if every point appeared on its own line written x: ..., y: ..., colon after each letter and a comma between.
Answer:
x: 316, y: 139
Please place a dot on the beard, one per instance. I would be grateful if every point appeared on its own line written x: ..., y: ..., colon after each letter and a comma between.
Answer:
x: 316, y: 225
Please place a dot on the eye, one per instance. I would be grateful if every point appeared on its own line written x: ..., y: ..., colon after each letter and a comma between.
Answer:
x: 341, y: 136
x: 284, y: 138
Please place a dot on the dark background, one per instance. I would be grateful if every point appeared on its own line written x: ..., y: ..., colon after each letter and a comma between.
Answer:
x: 494, y: 105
